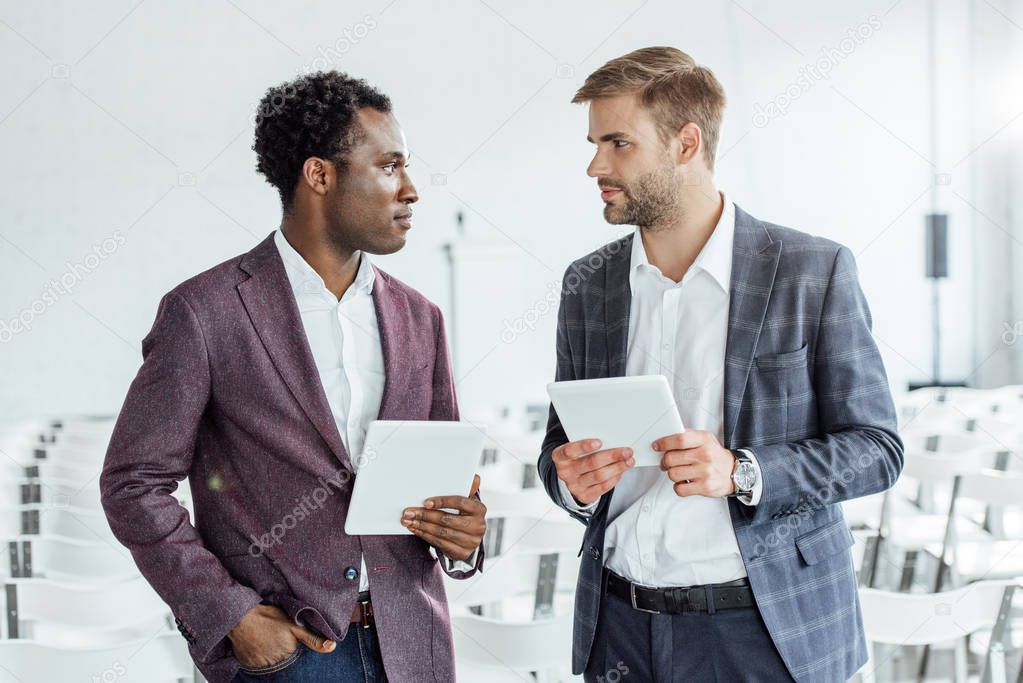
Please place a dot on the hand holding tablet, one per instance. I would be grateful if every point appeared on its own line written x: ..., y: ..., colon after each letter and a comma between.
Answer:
x: 620, y: 416
x: 408, y: 464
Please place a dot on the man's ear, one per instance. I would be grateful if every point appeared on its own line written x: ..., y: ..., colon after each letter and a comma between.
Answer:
x: 688, y: 138
x: 315, y: 172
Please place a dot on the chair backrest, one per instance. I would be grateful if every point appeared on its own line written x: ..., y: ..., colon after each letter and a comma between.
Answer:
x: 925, y: 618
x: 66, y: 559
x: 533, y: 503
x: 554, y: 533
x: 992, y: 487
x: 163, y: 659
x: 518, y: 646
x: 84, y: 605
x: 939, y: 468
x: 509, y: 576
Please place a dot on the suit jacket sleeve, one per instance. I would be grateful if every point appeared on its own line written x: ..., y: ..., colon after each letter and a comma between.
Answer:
x: 556, y: 436
x: 858, y: 451
x: 445, y: 407
x: 150, y: 451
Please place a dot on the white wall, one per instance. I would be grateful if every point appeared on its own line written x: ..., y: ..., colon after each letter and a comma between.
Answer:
x: 131, y: 122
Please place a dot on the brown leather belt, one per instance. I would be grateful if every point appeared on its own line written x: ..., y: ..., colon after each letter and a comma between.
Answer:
x: 363, y: 612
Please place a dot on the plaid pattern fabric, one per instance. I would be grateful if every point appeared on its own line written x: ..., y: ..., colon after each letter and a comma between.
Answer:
x: 805, y: 390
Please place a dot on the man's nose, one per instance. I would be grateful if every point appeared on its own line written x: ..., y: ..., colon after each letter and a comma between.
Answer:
x: 597, y: 167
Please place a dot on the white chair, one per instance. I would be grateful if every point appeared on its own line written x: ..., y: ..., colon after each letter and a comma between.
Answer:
x: 75, y: 605
x: 62, y: 492
x: 508, y: 576
x: 509, y: 474
x: 66, y: 559
x: 553, y: 533
x: 912, y: 532
x: 503, y: 503
x: 147, y: 659
x: 903, y: 619
x: 498, y: 647
x: 50, y: 520
x: 972, y: 559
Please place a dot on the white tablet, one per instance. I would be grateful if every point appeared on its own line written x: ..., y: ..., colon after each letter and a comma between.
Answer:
x: 620, y: 411
x: 406, y: 462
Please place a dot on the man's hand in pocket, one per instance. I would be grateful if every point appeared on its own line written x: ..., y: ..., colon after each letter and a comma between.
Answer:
x: 265, y: 636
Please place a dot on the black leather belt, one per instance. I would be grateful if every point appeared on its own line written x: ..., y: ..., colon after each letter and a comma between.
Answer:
x: 681, y: 600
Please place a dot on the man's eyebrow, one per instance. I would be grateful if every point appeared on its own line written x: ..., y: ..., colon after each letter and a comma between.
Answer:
x: 398, y: 156
x: 609, y: 136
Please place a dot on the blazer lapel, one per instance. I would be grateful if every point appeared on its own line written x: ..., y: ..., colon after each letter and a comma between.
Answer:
x: 396, y: 342
x: 271, y: 305
x: 617, y: 305
x: 754, y: 264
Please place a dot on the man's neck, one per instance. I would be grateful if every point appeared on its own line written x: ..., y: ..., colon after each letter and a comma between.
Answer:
x: 337, y: 268
x: 672, y: 248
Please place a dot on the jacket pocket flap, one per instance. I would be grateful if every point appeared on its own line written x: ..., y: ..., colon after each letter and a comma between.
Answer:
x: 789, y: 359
x: 825, y: 541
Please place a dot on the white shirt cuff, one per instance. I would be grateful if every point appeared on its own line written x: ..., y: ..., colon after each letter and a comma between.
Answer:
x: 459, y: 565
x: 754, y: 496
x: 568, y: 500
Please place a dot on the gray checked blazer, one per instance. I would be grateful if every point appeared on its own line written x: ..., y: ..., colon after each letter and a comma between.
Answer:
x: 805, y: 390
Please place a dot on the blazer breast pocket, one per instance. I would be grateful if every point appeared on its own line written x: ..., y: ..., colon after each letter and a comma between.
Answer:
x: 781, y: 361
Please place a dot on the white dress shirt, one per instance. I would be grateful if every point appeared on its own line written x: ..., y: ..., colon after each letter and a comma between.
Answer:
x: 345, y: 342
x: 344, y: 339
x: 679, y: 330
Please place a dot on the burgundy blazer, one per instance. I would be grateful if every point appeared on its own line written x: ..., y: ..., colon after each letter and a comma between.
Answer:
x: 229, y: 396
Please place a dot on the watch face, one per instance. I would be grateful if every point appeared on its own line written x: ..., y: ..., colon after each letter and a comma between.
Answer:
x: 745, y: 476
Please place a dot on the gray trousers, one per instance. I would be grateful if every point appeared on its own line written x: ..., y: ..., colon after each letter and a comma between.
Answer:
x: 729, y: 646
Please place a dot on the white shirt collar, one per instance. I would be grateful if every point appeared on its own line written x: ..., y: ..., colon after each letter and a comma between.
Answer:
x: 300, y: 272
x: 715, y: 258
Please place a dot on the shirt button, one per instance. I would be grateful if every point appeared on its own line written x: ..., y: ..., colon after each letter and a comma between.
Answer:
x: 646, y: 508
x: 351, y: 573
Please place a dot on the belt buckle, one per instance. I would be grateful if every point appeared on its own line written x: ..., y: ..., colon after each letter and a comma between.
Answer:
x: 632, y: 596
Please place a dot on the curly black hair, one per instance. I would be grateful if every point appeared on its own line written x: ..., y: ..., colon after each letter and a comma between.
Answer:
x: 310, y: 116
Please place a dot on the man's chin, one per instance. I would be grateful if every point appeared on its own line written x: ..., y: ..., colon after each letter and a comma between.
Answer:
x: 614, y: 215
x: 388, y: 246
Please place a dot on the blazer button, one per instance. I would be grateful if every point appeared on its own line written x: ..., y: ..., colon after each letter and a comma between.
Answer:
x: 351, y: 573
x: 594, y: 552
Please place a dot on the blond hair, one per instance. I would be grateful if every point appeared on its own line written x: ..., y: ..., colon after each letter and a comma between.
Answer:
x: 671, y: 84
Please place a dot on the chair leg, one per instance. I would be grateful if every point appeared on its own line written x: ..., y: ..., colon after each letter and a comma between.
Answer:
x: 960, y: 667
x: 867, y: 670
x: 908, y: 571
x: 921, y: 674
x: 875, y: 547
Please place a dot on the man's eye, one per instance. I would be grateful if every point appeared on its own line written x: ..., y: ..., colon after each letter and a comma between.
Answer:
x: 619, y: 143
x: 389, y: 168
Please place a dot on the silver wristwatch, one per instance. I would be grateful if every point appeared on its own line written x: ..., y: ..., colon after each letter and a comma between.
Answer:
x: 744, y: 475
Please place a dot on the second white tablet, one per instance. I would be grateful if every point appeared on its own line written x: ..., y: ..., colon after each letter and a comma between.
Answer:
x: 620, y: 411
x: 406, y: 462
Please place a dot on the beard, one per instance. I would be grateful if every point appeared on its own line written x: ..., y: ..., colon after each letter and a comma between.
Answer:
x: 650, y: 201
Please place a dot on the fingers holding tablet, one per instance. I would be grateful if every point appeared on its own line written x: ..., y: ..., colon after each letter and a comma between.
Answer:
x: 589, y: 473
x: 456, y: 534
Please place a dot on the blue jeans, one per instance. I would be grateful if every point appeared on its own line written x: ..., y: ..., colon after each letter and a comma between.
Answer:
x: 356, y: 659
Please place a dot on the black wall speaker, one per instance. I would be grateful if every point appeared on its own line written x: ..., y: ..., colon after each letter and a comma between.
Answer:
x: 937, y: 245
